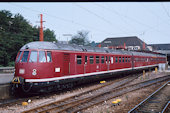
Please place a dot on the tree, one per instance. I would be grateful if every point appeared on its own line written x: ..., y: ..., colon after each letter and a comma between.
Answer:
x: 49, y: 35
x: 81, y: 38
x: 15, y: 31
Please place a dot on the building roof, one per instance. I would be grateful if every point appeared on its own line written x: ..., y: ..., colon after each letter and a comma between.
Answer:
x: 160, y: 46
x: 119, y: 41
x: 163, y: 51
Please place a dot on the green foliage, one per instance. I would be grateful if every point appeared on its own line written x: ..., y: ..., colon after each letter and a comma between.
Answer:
x: 81, y: 38
x: 15, y: 31
x: 49, y: 35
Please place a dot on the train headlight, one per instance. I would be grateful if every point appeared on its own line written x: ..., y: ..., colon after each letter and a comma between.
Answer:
x: 21, y: 71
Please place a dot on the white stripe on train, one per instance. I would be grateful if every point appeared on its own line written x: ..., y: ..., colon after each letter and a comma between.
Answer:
x: 81, y: 75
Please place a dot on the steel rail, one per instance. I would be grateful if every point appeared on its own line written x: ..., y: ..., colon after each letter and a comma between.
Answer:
x: 166, y: 108
x: 146, y: 100
x: 16, y: 100
x: 71, y: 105
x: 119, y: 93
x: 64, y: 102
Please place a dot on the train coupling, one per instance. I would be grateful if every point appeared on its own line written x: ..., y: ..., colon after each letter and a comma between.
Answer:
x: 17, y: 80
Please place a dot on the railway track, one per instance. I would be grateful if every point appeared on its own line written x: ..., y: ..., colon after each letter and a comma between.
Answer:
x: 83, y: 101
x: 166, y: 108
x: 13, y: 101
x: 155, y: 102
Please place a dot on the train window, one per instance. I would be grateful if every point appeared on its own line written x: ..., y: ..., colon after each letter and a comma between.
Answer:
x: 33, y: 56
x: 102, y: 59
x: 111, y: 60
x: 147, y: 59
x: 106, y: 59
x: 136, y: 59
x: 91, y: 59
x: 79, y: 59
x: 122, y: 59
x: 126, y: 59
x: 119, y: 59
x: 42, y: 57
x: 49, y: 58
x: 25, y: 56
x: 19, y: 56
x: 116, y: 59
x: 85, y: 59
x: 97, y: 59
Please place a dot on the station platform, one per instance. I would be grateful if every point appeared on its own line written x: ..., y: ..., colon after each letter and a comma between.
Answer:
x: 6, y: 78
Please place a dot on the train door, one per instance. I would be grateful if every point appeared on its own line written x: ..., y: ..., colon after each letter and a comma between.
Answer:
x: 86, y: 64
x: 108, y: 63
x: 79, y: 64
x: 132, y: 60
x: 97, y: 63
x: 102, y: 64
x: 66, y: 64
x: 111, y: 63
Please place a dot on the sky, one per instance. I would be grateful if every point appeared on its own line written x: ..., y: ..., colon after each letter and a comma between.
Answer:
x: 149, y: 21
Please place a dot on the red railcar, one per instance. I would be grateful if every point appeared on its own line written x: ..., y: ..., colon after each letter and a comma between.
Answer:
x: 47, y: 66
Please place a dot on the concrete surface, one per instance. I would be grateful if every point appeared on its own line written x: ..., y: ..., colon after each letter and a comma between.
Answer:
x: 5, y: 91
x: 6, y: 78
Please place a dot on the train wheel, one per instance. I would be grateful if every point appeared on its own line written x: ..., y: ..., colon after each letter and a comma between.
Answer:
x: 26, y: 87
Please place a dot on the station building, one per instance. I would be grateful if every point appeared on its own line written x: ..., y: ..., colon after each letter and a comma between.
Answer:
x: 135, y: 44
x: 127, y: 43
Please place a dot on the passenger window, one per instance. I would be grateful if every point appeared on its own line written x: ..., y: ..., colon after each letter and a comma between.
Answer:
x: 119, y: 59
x: 42, y: 57
x: 19, y: 56
x: 79, y: 59
x: 91, y: 59
x: 126, y: 59
x: 49, y: 59
x: 102, y: 59
x: 116, y: 59
x: 33, y: 56
x: 111, y: 60
x: 122, y: 59
x: 106, y: 59
x: 25, y: 56
x: 97, y: 59
x: 85, y: 59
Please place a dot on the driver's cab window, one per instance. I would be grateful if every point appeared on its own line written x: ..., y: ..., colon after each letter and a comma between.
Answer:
x: 42, y: 57
x: 33, y: 56
x: 49, y: 59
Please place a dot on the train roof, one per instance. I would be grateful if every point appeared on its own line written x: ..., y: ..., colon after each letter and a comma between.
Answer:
x: 74, y: 47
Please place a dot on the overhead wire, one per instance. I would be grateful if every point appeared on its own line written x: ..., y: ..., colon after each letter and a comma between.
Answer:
x: 165, y: 10
x: 103, y: 7
x: 86, y: 26
x: 62, y: 19
x: 141, y: 23
x: 157, y: 16
x: 102, y: 18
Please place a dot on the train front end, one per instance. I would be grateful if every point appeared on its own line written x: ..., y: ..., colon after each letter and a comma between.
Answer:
x: 32, y: 65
